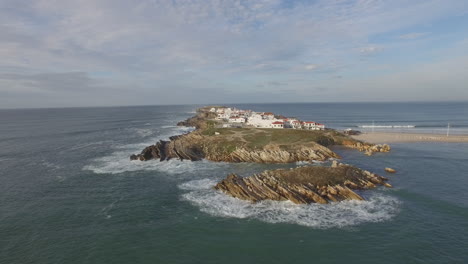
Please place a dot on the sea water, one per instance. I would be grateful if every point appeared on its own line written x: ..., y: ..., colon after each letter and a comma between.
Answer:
x: 70, y: 194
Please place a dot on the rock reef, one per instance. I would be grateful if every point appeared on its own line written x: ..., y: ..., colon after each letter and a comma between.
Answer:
x: 303, y: 185
x: 368, y: 148
x: 195, y: 147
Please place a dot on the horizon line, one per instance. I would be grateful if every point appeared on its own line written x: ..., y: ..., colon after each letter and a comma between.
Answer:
x: 202, y: 104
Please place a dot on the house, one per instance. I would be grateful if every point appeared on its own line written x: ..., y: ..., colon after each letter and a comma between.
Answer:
x: 309, y: 125
x: 312, y: 125
x: 277, y: 124
x: 268, y: 116
x: 292, y: 123
x: 222, y: 116
x: 236, y: 119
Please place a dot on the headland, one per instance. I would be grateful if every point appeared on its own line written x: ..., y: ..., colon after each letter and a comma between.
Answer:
x: 232, y: 135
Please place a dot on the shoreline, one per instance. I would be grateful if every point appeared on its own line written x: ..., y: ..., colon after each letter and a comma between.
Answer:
x: 399, y: 137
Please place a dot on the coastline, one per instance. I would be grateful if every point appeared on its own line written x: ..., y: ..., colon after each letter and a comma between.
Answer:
x: 398, y: 137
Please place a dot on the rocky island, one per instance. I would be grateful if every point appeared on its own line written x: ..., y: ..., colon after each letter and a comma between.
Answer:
x: 308, y: 184
x: 232, y: 138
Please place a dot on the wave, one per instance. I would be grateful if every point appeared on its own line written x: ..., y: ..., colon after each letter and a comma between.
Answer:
x: 144, y: 132
x: 119, y: 160
x: 377, y: 208
x: 387, y: 126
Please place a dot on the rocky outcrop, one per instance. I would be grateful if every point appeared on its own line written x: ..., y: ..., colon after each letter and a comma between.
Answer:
x: 303, y: 185
x: 367, y: 148
x: 390, y: 170
x: 179, y: 147
x: 194, y: 147
x: 198, y: 121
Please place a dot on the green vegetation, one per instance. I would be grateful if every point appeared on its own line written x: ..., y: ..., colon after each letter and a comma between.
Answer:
x: 258, y: 138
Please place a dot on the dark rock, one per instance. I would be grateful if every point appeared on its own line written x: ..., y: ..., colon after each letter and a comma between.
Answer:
x: 309, y: 184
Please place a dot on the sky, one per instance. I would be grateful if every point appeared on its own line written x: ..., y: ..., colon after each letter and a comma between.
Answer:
x: 60, y: 53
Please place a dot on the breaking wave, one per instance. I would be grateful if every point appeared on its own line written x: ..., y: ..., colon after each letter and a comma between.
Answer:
x: 119, y: 160
x: 387, y: 126
x: 377, y: 208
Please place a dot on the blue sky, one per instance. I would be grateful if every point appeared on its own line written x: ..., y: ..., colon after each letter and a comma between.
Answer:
x: 58, y: 53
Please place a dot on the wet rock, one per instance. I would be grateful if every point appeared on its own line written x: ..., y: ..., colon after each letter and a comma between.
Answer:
x: 367, y: 148
x: 390, y: 170
x: 302, y: 185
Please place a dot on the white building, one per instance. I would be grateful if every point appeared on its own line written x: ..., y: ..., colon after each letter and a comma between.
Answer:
x: 236, y: 119
x: 223, y: 116
x: 277, y: 124
x: 292, y: 123
x: 256, y: 120
x: 268, y: 116
x: 313, y: 125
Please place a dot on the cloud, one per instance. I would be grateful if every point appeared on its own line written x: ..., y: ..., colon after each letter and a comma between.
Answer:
x: 370, y: 50
x: 149, y: 45
x: 311, y: 67
x: 67, y: 81
x: 414, y: 35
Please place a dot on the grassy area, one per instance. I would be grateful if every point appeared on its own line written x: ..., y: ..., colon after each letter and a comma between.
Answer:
x: 319, y: 175
x: 258, y: 138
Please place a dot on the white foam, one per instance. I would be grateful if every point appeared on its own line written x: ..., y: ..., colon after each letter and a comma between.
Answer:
x: 379, y: 207
x: 144, y: 132
x: 119, y: 160
x: 387, y: 126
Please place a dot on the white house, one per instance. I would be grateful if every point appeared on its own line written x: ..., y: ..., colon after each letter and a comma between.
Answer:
x: 292, y: 123
x: 236, y: 119
x: 313, y: 125
x: 256, y: 120
x: 268, y: 116
x: 223, y: 116
x: 277, y: 124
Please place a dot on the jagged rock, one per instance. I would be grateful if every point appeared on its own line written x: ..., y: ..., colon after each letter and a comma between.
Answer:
x: 194, y: 147
x: 302, y: 185
x: 390, y: 170
x: 367, y: 148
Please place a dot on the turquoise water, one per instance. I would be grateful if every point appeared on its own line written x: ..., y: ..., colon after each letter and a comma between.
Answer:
x: 69, y: 194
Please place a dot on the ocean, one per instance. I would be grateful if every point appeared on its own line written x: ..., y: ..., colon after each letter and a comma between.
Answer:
x: 70, y: 194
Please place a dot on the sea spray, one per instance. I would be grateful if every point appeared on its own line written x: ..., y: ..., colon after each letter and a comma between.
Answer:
x: 377, y: 208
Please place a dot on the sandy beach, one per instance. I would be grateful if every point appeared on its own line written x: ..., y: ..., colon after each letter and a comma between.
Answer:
x: 389, y: 137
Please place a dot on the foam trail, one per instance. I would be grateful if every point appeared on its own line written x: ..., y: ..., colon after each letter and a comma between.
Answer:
x: 377, y: 208
x: 387, y: 126
x: 119, y: 160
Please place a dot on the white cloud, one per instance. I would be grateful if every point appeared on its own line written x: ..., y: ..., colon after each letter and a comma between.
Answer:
x: 157, y: 43
x: 414, y: 35
x: 370, y: 50
x: 311, y: 67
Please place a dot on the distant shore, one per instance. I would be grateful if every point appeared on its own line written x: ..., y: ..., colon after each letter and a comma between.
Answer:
x: 391, y: 137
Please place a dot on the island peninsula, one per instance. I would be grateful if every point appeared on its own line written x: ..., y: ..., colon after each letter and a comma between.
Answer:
x: 233, y: 135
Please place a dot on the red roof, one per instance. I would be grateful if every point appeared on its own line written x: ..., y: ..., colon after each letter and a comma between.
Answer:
x: 277, y: 123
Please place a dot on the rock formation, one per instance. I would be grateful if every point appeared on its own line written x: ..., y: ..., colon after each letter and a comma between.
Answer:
x: 367, y: 148
x: 303, y: 185
x: 390, y: 170
x: 194, y: 147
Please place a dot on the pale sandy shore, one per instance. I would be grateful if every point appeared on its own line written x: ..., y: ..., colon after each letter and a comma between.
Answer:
x: 388, y: 137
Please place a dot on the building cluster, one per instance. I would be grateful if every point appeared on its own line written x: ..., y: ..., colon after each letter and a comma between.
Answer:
x: 249, y: 118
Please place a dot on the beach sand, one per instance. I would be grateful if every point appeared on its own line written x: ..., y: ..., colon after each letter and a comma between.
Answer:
x: 389, y: 137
